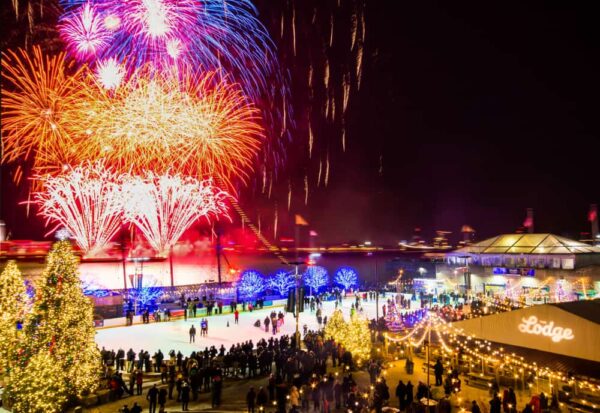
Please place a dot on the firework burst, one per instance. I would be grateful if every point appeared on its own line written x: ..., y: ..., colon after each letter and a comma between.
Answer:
x: 162, y: 207
x: 86, y: 32
x: 86, y: 201
x: 38, y: 93
x: 213, y: 35
x: 198, y: 125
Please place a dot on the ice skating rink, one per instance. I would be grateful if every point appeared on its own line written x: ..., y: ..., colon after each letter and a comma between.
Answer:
x: 174, y: 334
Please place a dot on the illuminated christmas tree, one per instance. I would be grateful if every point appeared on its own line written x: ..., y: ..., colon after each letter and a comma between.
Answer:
x: 60, y: 360
x: 39, y: 386
x: 336, y: 327
x: 358, y: 339
x: 13, y: 305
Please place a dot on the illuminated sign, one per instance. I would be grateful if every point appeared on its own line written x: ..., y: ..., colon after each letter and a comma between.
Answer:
x: 537, y: 327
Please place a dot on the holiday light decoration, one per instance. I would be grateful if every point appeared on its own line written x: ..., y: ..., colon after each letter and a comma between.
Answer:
x: 315, y: 277
x: 336, y: 327
x: 38, y: 386
x: 162, y: 207
x: 250, y: 284
x: 87, y: 201
x: 38, y: 93
x: 13, y: 306
x: 354, y: 335
x: 358, y: 339
x: 59, y: 359
x: 281, y: 282
x: 145, y: 295
x: 199, y: 125
x: 346, y: 277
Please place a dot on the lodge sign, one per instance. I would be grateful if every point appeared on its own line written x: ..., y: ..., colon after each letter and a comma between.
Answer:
x: 532, y: 325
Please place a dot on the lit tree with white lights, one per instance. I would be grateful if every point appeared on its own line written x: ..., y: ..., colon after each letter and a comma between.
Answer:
x: 316, y: 277
x: 346, y: 277
x: 281, y: 282
x: 13, y: 305
x: 59, y: 359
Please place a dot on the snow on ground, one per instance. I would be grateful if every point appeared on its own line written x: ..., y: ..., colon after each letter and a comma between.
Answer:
x: 174, y: 334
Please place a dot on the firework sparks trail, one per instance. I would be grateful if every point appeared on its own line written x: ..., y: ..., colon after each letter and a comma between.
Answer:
x: 310, y: 139
x: 86, y: 201
x: 294, y: 28
x: 326, y: 180
x: 163, y: 207
x: 359, y: 57
x: 275, y: 219
x: 305, y: 189
x: 320, y: 171
x: 353, y: 31
x: 331, y: 26
x: 326, y: 74
x: 289, y: 195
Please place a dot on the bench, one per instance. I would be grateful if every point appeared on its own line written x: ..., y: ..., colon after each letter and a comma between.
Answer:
x: 479, y: 380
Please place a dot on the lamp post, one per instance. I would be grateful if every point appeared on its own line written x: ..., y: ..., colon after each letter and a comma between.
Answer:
x: 428, y: 346
x: 376, y: 292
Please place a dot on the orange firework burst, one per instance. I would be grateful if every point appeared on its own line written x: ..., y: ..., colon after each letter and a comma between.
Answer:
x: 199, y: 125
x: 38, y: 91
x: 202, y: 125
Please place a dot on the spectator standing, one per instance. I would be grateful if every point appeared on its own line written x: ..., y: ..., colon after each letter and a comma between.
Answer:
x: 152, y: 398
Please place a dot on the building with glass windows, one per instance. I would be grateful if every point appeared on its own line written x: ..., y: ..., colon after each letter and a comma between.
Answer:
x: 538, y: 261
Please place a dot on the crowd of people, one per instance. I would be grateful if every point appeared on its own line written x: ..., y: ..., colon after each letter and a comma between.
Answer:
x: 289, y: 371
x: 294, y: 379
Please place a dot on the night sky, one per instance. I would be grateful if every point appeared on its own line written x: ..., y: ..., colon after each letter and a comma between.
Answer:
x: 479, y: 113
x: 467, y: 114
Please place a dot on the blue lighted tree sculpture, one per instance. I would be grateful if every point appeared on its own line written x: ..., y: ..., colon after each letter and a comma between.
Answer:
x: 281, y: 282
x: 315, y: 277
x: 251, y: 284
x: 346, y: 277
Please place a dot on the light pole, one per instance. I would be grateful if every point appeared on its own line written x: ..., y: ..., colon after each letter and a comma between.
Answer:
x: 376, y: 292
x: 297, y: 277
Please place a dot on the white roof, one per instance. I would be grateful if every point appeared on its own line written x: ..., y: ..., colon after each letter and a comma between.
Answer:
x: 528, y: 244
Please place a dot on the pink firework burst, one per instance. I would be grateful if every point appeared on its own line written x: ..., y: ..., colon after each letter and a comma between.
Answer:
x: 85, y: 32
x: 163, y: 207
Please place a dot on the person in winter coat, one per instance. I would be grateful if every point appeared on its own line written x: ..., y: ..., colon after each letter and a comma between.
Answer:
x: 185, y: 395
x: 294, y: 397
x: 251, y: 400
x: 401, y: 395
x: 262, y: 398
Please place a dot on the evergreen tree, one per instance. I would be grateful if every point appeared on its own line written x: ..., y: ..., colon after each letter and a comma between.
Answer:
x: 38, y: 386
x: 336, y: 327
x: 358, y: 339
x: 59, y: 336
x: 13, y: 305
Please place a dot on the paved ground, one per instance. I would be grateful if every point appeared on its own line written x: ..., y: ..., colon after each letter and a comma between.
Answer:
x: 234, y: 393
